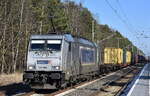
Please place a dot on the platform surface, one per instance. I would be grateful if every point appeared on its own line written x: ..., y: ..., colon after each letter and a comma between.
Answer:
x: 141, y: 84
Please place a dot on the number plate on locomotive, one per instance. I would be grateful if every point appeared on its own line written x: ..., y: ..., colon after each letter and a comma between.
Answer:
x: 42, y: 62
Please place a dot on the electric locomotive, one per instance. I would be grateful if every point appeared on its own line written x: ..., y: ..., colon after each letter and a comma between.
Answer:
x: 54, y: 60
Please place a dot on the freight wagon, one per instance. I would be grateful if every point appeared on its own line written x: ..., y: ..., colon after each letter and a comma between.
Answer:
x: 128, y: 58
x: 134, y: 58
x: 141, y: 59
x: 117, y: 57
x: 113, y: 56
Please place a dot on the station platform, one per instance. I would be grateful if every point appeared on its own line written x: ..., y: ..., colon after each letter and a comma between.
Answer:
x: 140, y: 86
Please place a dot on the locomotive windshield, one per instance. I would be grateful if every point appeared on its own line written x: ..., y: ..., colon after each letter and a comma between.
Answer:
x: 37, y: 44
x: 52, y: 45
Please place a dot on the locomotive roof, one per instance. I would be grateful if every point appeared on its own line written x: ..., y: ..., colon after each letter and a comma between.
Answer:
x: 67, y: 37
x: 87, y: 42
x: 49, y: 36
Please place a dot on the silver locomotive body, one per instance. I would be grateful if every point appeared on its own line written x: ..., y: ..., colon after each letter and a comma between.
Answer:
x: 54, y: 60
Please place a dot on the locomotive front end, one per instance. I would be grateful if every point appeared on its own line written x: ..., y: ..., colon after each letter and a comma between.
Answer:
x: 44, y: 63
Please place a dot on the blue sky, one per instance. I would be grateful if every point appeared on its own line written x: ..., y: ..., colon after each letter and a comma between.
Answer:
x: 136, y: 13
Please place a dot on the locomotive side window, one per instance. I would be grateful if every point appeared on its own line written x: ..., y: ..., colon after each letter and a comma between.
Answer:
x: 54, y: 45
x: 37, y: 44
x: 87, y: 55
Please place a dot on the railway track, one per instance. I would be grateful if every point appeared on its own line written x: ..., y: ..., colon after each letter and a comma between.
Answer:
x: 117, y: 87
x: 90, y: 88
x: 96, y: 85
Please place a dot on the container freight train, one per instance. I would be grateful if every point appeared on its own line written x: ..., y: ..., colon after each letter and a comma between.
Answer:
x: 119, y: 57
x: 53, y: 61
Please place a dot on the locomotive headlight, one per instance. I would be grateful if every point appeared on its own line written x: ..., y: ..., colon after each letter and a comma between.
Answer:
x: 31, y: 67
x: 56, y: 67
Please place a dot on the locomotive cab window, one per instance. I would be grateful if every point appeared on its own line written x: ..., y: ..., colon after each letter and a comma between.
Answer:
x: 54, y: 45
x: 37, y: 44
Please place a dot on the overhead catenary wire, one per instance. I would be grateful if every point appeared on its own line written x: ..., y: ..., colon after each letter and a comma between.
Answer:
x: 126, y: 17
x: 123, y: 12
x: 123, y: 20
x: 117, y: 14
x: 136, y: 32
x: 107, y: 37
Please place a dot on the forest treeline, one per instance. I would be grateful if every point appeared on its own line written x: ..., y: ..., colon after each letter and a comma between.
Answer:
x: 21, y: 18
